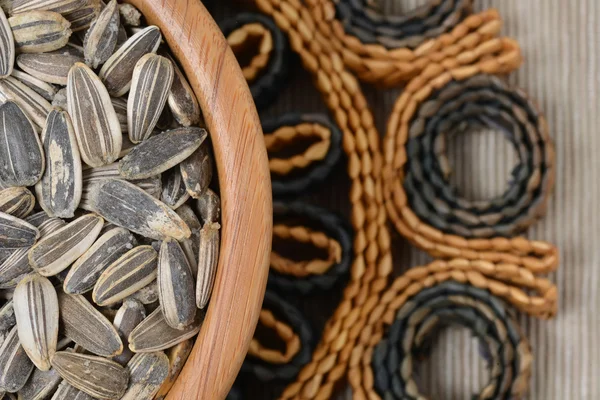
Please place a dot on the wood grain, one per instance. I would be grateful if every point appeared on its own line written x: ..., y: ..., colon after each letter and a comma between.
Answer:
x: 245, y: 186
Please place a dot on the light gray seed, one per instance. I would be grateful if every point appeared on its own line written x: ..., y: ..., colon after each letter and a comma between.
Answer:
x: 148, y: 294
x: 208, y: 258
x: 120, y: 106
x: 178, y: 355
x: 161, y: 152
x: 174, y: 192
x: 82, y: 17
x: 59, y: 6
x: 39, y: 31
x: 15, y: 365
x: 7, y: 47
x: 57, y: 251
x: 182, y: 100
x: 46, y: 90
x: 101, y: 39
x: 105, y: 379
x: 87, y: 269
x: 209, y: 206
x: 197, y: 170
x: 34, y: 105
x: 129, y: 15
x: 7, y: 317
x: 48, y: 67
x: 191, y: 245
x: 16, y: 201
x: 87, y: 327
x: 39, y: 385
x: 150, y: 86
x: 130, y: 314
x: 127, y: 205
x: 60, y: 99
x: 21, y: 155
x: 59, y: 190
x: 175, y: 285
x: 131, y: 272
x: 16, y: 233
x: 147, y: 372
x: 68, y: 392
x: 37, y: 218
x: 99, y: 142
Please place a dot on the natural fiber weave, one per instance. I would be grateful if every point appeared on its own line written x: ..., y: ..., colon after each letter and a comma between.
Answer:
x: 285, y: 333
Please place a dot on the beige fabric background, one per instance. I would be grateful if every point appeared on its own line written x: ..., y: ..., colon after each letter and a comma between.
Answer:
x: 560, y: 41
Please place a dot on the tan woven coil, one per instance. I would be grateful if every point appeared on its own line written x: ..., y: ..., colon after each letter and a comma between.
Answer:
x: 284, y: 331
x: 240, y: 41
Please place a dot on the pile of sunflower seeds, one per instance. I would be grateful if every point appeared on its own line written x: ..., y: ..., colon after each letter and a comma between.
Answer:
x: 109, y: 232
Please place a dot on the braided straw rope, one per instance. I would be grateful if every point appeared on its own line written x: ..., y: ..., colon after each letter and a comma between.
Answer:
x: 239, y: 40
x: 301, y: 234
x: 348, y: 334
x: 284, y: 331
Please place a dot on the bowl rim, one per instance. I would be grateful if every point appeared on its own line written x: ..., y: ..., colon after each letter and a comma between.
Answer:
x: 246, y: 201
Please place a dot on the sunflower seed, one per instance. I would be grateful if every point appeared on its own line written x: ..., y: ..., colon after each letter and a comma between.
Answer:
x: 150, y: 85
x: 39, y: 31
x: 36, y: 311
x: 129, y: 15
x: 16, y: 233
x: 40, y: 385
x: 191, y: 246
x: 130, y: 314
x: 197, y: 171
x: 37, y: 218
x: 208, y: 257
x: 131, y: 272
x: 178, y: 355
x: 117, y: 72
x: 175, y: 285
x: 87, y: 269
x: 154, y: 334
x: 59, y: 6
x: 174, y: 192
x: 126, y: 205
x: 209, y: 206
x: 48, y: 67
x: 120, y: 106
x: 7, y: 6
x: 68, y: 392
x: 59, y: 190
x: 16, y: 201
x: 57, y: 251
x: 46, y: 90
x: 21, y: 155
x: 152, y: 185
x: 101, y: 39
x: 7, y: 47
x: 7, y: 317
x: 60, y: 99
x: 147, y: 372
x: 87, y: 327
x: 161, y: 152
x: 82, y: 17
x: 97, y: 376
x: 33, y: 104
x: 182, y: 101
x: 15, y: 365
x: 99, y: 142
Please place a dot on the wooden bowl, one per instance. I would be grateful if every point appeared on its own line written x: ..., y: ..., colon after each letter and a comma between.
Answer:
x: 244, y: 180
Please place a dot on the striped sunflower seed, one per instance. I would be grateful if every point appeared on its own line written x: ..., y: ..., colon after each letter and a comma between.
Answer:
x: 87, y: 269
x: 99, y: 142
x: 57, y: 251
x: 131, y: 272
x: 15, y: 365
x: 96, y: 376
x: 59, y: 6
x: 154, y: 334
x: 36, y: 312
x: 147, y: 372
x: 152, y: 185
x: 101, y: 39
x: 197, y: 170
x: 130, y: 314
x: 191, y: 245
x: 7, y: 47
x: 37, y: 218
x: 208, y: 257
x: 33, y: 104
x: 209, y: 206
x: 175, y: 285
x: 148, y: 294
x: 182, y: 101
x: 16, y: 201
x: 130, y: 15
x: 150, y: 85
x: 87, y: 327
x: 120, y: 106
x: 39, y: 31
x: 60, y: 99
x: 117, y: 72
x: 178, y: 355
x: 48, y: 67
x: 82, y: 17
x: 21, y: 155
x: 46, y: 90
x: 40, y: 385
x: 126, y: 205
x: 68, y: 392
x: 16, y: 233
x: 16, y: 267
x: 161, y: 152
x: 7, y: 317
x: 174, y: 192
x: 59, y: 190
x: 71, y: 49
